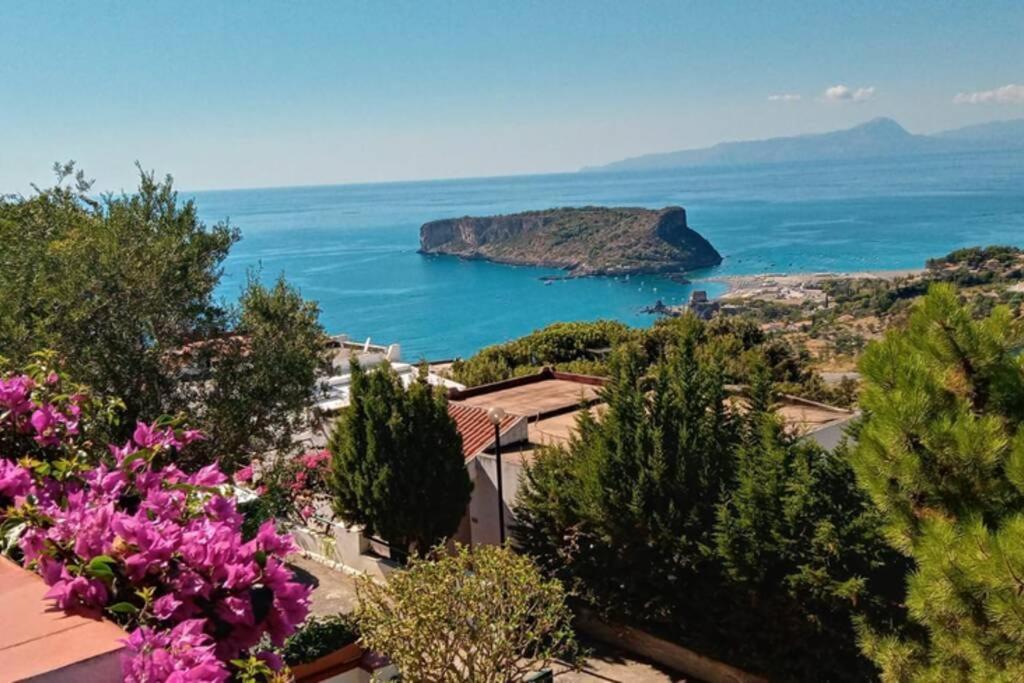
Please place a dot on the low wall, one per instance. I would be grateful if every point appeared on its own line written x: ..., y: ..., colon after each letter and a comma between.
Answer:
x: 343, y: 548
x: 664, y: 652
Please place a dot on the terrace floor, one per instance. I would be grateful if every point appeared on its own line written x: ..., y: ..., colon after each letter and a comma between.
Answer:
x: 535, y: 397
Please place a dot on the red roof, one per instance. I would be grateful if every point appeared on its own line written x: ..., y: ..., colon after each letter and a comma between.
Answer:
x: 474, y: 424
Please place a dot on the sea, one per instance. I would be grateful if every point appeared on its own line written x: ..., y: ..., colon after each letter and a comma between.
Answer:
x: 353, y: 248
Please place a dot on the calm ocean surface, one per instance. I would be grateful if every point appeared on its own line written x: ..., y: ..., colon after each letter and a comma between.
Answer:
x: 353, y: 247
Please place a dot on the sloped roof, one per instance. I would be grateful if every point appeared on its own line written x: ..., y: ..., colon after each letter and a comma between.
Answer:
x: 474, y: 424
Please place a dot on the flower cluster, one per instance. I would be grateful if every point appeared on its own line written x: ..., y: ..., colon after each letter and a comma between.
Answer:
x: 159, y: 549
x: 295, y: 484
x: 47, y: 423
x: 310, y: 481
x: 183, y: 653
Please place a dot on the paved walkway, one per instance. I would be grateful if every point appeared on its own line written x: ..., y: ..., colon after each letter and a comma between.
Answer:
x: 334, y: 592
x: 609, y: 665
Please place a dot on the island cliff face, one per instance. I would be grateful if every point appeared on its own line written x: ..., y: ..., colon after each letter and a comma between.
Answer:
x: 591, y: 240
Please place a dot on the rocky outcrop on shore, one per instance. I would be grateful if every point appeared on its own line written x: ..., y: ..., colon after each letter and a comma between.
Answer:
x: 585, y: 241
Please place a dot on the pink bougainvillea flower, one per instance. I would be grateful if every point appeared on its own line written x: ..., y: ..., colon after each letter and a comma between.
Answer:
x: 269, y: 541
x: 243, y: 475
x: 71, y: 591
x: 44, y: 420
x: 208, y: 476
x: 115, y: 533
x: 14, y: 397
x: 184, y: 653
x: 164, y: 607
x: 15, y: 481
x: 272, y: 659
x: 192, y: 435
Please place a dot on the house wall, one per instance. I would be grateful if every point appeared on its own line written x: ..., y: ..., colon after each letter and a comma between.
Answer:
x: 483, y: 505
x: 356, y: 675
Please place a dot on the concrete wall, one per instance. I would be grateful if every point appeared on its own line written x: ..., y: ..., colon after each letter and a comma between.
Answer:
x: 104, y: 668
x: 664, y: 652
x: 483, y: 505
x: 356, y: 675
x: 342, y: 547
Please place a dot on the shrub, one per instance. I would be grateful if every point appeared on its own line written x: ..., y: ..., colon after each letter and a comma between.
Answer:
x: 318, y: 637
x: 485, y: 615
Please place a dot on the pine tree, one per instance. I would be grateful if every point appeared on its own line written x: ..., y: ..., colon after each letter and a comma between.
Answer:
x: 397, y: 464
x: 941, y: 453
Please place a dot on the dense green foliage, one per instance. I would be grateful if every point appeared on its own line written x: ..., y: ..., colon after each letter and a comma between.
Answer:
x: 319, y: 637
x: 941, y: 453
x: 586, y: 346
x: 710, y: 524
x: 568, y: 346
x: 397, y: 461
x: 117, y: 286
x: 979, y: 265
x: 262, y: 382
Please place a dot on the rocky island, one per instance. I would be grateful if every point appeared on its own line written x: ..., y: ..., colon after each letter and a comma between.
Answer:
x: 585, y: 241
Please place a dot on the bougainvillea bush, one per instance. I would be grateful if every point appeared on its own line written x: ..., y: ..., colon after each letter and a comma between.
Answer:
x: 295, y: 489
x: 125, y: 531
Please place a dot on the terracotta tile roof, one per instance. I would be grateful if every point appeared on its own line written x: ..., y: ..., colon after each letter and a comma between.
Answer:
x: 40, y: 639
x: 475, y: 427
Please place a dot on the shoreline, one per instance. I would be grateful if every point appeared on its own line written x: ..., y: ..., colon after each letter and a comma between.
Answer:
x: 794, y: 288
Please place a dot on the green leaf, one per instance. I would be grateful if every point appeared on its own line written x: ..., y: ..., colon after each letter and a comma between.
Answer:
x: 101, y: 572
x: 123, y: 608
x: 137, y: 455
x: 101, y: 560
x: 99, y: 567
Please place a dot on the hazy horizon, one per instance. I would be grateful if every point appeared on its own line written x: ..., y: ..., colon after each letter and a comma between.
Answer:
x: 230, y: 97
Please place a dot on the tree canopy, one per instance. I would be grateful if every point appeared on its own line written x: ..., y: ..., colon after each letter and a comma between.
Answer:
x: 695, y: 514
x: 941, y: 453
x: 120, y: 285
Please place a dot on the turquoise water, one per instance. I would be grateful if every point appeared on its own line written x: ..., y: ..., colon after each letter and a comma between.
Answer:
x: 353, y: 247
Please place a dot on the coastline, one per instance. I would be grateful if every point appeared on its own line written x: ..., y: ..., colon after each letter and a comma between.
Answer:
x: 794, y: 288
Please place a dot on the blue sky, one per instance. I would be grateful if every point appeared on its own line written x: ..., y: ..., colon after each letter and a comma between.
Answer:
x: 249, y: 94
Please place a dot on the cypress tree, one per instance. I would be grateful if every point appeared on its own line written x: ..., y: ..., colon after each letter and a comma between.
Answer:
x: 637, y: 488
x: 397, y: 464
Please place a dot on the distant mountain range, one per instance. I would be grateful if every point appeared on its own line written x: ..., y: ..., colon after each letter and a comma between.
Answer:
x: 880, y: 137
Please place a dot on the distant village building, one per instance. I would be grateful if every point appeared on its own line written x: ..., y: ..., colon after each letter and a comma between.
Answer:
x: 701, y: 306
x: 333, y: 391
